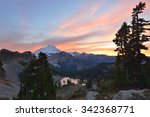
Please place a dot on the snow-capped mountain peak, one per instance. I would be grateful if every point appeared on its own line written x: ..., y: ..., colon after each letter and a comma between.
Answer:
x: 50, y: 49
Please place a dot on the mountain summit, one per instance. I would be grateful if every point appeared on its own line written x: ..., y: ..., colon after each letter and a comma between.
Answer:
x: 50, y: 49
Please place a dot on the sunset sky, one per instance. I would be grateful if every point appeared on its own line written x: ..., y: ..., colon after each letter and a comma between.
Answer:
x: 71, y: 25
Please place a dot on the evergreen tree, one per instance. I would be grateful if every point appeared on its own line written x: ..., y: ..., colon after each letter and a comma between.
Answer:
x: 138, y: 37
x: 130, y: 41
x: 122, y: 40
x: 123, y: 47
x: 89, y: 83
x: 37, y: 82
x: 2, y: 71
x: 0, y: 63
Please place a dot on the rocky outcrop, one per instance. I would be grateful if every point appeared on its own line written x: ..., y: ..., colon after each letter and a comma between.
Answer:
x: 71, y: 92
x: 10, y: 87
x: 133, y: 95
x: 91, y: 95
x: 8, y: 56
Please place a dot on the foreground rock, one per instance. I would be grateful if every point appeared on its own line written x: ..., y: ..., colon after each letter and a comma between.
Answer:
x: 91, y: 95
x: 71, y: 92
x: 133, y: 95
x: 10, y: 87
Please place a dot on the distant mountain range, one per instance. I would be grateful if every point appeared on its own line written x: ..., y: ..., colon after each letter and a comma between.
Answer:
x: 72, y: 61
x: 60, y: 60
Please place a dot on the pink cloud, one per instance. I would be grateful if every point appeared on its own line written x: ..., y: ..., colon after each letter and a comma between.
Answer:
x: 116, y: 15
x: 88, y: 9
x: 107, y: 24
x: 76, y: 30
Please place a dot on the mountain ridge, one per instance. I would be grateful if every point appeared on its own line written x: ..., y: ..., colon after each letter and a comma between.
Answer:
x: 51, y: 49
x: 72, y: 61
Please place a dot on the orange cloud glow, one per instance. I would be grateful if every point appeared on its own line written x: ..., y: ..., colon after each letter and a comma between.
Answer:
x: 90, y: 29
x: 80, y: 15
x: 107, y: 23
x: 107, y: 19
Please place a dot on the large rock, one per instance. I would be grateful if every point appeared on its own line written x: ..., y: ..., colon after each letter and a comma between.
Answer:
x: 71, y: 92
x: 133, y: 95
x: 91, y: 95
x: 10, y: 87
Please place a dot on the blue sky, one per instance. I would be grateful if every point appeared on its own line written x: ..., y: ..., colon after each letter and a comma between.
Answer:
x: 71, y: 25
x: 35, y: 15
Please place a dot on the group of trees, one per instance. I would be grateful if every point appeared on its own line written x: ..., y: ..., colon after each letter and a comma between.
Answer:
x: 130, y: 40
x: 37, y: 81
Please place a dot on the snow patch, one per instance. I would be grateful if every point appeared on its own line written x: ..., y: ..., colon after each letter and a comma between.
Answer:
x: 47, y: 50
